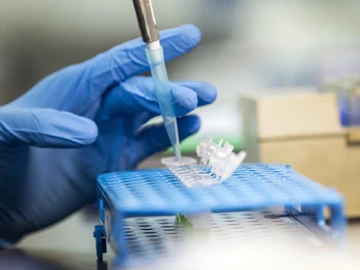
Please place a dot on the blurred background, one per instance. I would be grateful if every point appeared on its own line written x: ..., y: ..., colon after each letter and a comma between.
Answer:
x: 263, y: 46
x: 260, y: 47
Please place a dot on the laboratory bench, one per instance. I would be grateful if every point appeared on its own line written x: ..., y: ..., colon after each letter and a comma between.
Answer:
x: 69, y: 245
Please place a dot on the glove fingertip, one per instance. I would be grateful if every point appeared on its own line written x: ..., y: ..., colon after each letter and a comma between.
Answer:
x: 185, y: 100
x: 210, y: 94
x: 64, y: 130
x: 88, y: 135
x: 206, y: 92
x: 85, y: 132
x: 188, y: 126
x: 191, y: 34
x: 180, y: 40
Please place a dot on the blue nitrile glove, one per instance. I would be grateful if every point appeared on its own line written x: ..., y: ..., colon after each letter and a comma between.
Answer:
x: 82, y: 121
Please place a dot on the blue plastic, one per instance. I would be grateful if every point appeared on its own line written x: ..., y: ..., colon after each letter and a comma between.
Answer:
x: 100, y: 240
x: 159, y: 74
x: 349, y: 109
x: 158, y: 192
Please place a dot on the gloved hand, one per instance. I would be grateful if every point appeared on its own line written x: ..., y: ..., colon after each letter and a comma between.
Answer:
x: 81, y: 121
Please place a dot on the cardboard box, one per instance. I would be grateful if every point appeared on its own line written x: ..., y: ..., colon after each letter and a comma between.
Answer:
x: 304, y: 130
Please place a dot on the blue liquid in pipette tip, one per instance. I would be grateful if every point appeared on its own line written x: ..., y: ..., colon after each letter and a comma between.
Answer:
x: 162, y: 86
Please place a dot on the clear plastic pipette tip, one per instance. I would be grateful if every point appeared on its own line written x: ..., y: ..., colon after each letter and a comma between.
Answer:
x: 156, y: 61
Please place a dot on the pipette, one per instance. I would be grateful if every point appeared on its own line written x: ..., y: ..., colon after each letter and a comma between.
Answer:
x: 155, y: 57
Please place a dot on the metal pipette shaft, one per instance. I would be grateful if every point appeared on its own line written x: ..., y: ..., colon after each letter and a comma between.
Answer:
x: 155, y: 57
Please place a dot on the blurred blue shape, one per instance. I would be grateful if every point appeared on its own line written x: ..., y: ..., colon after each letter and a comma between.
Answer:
x: 349, y: 109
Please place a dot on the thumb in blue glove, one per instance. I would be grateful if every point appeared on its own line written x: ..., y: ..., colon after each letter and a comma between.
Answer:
x: 45, y: 128
x: 85, y: 120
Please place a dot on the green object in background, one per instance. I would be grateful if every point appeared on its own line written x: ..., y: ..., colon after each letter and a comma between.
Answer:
x: 196, y: 231
x: 183, y: 220
x: 189, y: 145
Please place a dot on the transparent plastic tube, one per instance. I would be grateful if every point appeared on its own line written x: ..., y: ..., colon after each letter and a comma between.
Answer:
x: 158, y: 71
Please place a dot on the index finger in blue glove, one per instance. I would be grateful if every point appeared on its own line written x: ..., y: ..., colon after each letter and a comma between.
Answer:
x: 129, y: 59
x: 138, y: 94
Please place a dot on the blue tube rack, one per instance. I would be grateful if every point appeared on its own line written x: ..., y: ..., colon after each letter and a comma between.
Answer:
x: 137, y: 208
